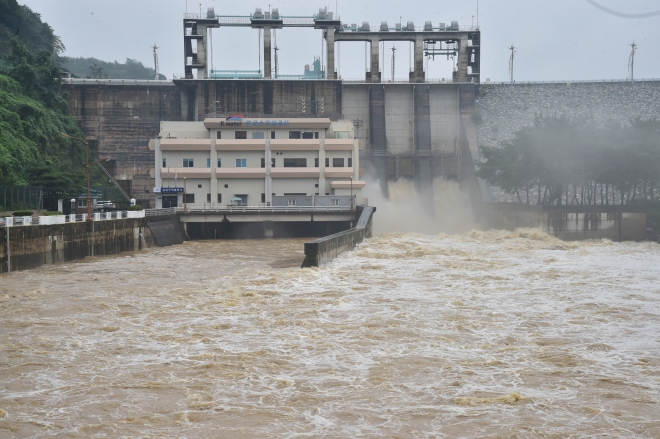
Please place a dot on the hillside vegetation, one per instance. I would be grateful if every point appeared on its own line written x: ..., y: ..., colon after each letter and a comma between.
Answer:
x: 95, y: 68
x: 33, y: 116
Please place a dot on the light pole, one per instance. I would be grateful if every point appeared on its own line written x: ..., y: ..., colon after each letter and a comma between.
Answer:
x: 89, y: 196
x: 513, y: 54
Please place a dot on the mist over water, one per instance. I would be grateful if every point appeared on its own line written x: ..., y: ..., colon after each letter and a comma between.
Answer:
x: 480, y: 334
x: 442, y: 209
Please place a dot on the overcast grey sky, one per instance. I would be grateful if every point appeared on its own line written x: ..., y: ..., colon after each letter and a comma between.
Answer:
x: 555, y: 39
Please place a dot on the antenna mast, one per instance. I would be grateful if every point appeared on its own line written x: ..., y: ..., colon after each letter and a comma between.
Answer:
x: 393, y: 59
x: 631, y: 61
x: 277, y: 63
x: 156, y: 61
x: 513, y: 54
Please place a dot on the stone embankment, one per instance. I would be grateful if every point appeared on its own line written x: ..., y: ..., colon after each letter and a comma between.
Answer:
x: 503, y: 109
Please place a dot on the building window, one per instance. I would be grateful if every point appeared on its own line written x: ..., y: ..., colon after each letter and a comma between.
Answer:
x: 338, y: 163
x: 226, y: 186
x: 82, y: 202
x: 258, y: 135
x: 208, y: 163
x: 219, y: 198
x: 219, y: 163
x: 244, y: 199
x: 350, y: 162
x: 295, y: 163
x: 218, y: 135
x: 241, y: 163
x: 316, y: 162
x: 335, y: 201
x: 263, y: 162
x: 272, y: 134
x: 308, y: 135
x: 327, y: 162
x: 316, y: 185
x: 208, y: 198
x: 199, y: 186
x: 294, y: 134
x: 263, y: 198
x: 291, y: 202
x: 188, y: 163
x: 240, y: 135
x: 164, y: 162
x: 189, y: 198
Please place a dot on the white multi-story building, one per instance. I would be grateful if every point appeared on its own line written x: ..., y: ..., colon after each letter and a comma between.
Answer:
x: 250, y: 161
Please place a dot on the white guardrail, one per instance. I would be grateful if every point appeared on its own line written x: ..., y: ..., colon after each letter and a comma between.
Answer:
x: 247, y: 209
x: 12, y: 221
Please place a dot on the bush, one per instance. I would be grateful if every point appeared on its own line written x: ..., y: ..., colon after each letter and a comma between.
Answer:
x: 477, y: 117
x: 136, y: 207
x: 52, y: 213
x: 23, y: 213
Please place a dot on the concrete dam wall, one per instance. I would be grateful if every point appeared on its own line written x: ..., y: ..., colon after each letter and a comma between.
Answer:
x: 414, y: 131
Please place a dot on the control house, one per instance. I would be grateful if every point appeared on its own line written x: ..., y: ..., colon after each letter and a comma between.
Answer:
x: 257, y: 162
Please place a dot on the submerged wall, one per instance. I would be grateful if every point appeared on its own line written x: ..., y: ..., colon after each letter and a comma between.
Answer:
x: 570, y: 223
x: 326, y: 249
x: 33, y: 246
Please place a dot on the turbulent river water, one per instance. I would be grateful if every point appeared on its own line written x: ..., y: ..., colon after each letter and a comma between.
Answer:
x: 482, y: 334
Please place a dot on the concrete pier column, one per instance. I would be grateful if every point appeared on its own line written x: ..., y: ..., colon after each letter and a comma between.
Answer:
x: 330, y: 64
x: 202, y: 73
x: 268, y: 184
x: 214, y: 166
x: 267, y: 54
x: 158, y: 169
x: 375, y: 60
x: 356, y: 159
x: 463, y: 59
x: 322, y: 186
x: 419, y: 59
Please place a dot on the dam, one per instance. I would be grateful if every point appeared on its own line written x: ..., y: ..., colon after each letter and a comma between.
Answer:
x: 417, y: 129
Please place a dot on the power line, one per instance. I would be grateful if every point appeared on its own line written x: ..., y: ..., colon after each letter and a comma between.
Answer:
x: 621, y: 14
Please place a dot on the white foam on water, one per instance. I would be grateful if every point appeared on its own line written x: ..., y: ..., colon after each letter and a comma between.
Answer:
x: 483, y: 334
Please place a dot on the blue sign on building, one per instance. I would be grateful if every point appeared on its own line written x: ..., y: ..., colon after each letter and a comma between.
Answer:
x: 171, y: 190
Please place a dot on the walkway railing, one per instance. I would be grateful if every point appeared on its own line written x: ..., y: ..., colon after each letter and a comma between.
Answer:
x: 246, y: 209
x: 13, y: 221
x: 568, y: 81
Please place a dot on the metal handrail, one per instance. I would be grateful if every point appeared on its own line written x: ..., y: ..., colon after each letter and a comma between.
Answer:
x: 241, y: 208
x: 96, y: 216
x: 577, y: 81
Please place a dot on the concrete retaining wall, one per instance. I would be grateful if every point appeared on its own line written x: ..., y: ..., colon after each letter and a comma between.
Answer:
x: 326, y: 249
x: 165, y: 230
x: 33, y: 246
x: 570, y: 223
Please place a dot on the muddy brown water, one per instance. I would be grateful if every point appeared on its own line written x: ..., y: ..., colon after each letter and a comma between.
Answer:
x: 485, y: 334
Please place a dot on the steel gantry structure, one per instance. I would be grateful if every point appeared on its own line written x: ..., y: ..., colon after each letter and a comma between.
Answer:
x: 451, y: 39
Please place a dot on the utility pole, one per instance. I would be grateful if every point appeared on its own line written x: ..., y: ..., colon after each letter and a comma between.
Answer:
x: 631, y: 62
x: 156, y: 61
x: 393, y: 59
x: 513, y: 54
x: 277, y: 63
